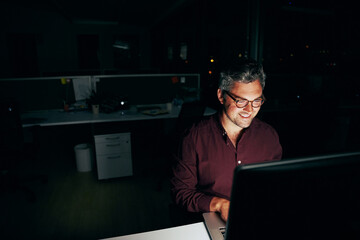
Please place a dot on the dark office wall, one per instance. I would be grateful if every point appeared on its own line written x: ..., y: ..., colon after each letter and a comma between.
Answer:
x: 56, y: 45
x: 23, y: 54
x: 88, y: 51
x: 52, y: 38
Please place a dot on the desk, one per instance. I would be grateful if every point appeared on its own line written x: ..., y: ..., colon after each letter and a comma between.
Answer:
x: 112, y: 155
x: 59, y: 117
x: 192, y: 231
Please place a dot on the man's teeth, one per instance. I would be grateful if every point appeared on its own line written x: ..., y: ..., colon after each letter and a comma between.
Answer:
x: 245, y: 115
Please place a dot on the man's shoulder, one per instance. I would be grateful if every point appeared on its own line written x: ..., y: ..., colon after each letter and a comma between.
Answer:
x: 207, y: 121
x: 263, y: 126
x: 263, y: 134
x: 205, y: 124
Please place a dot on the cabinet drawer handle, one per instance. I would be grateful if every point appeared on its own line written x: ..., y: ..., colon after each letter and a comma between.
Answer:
x: 112, y: 138
x: 113, y: 145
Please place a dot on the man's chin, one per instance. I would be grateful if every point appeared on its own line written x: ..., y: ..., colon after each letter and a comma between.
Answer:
x: 244, y: 123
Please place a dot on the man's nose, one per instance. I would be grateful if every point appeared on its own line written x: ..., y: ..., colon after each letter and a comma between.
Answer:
x: 249, y: 107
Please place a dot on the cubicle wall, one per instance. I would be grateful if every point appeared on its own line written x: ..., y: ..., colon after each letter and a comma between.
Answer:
x: 149, y: 89
x: 40, y: 93
x: 48, y: 93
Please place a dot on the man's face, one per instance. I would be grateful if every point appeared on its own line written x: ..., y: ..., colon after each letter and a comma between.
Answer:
x: 241, y: 117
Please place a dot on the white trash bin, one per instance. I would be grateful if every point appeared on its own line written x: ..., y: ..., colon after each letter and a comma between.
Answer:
x: 84, y: 157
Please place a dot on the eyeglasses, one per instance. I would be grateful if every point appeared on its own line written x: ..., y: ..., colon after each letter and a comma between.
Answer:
x: 241, y: 103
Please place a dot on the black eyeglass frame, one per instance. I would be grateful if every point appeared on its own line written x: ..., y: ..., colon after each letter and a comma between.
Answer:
x: 262, y: 98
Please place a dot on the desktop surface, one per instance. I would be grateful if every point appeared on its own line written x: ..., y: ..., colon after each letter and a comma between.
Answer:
x: 60, y: 117
x: 192, y: 231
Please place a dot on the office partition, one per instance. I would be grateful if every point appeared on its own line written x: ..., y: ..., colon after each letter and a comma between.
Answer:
x: 149, y: 88
x: 42, y: 93
x: 47, y: 93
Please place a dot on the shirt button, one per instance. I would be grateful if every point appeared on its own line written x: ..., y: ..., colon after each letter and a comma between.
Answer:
x: 239, y: 162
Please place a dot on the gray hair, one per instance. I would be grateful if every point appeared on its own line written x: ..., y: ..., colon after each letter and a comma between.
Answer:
x: 246, y: 71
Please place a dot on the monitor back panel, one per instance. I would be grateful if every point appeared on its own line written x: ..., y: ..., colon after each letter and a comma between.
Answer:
x: 297, y: 199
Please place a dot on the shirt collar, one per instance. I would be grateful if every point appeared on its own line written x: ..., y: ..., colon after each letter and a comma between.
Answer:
x: 220, y: 126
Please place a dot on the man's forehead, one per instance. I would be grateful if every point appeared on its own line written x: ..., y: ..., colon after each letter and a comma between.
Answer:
x: 246, y: 86
x: 246, y: 90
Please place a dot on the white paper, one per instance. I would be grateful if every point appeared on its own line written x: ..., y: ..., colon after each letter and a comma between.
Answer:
x: 82, y: 88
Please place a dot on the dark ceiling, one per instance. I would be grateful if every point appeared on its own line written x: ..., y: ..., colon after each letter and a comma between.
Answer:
x: 147, y: 13
x: 134, y: 13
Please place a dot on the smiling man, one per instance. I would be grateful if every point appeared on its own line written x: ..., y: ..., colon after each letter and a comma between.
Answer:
x: 212, y: 148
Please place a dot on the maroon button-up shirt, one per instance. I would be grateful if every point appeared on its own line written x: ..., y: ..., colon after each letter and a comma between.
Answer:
x: 206, y: 160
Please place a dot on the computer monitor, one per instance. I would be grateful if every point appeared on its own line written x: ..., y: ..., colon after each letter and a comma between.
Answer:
x: 305, y: 198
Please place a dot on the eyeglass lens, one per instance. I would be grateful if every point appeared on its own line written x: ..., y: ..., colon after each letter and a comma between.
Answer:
x: 240, y: 103
x: 243, y: 103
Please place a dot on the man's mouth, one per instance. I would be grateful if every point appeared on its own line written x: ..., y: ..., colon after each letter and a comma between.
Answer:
x: 245, y: 115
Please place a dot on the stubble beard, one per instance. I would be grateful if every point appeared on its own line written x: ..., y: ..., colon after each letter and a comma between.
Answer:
x: 238, y: 120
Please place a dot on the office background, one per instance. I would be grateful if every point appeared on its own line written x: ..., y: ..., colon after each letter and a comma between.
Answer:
x: 309, y: 49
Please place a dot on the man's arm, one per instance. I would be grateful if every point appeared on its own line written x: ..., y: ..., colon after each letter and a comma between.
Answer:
x: 184, y: 188
x: 185, y: 178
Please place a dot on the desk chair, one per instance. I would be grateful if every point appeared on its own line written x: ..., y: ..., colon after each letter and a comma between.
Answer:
x: 191, y: 113
x: 12, y: 151
x: 166, y: 144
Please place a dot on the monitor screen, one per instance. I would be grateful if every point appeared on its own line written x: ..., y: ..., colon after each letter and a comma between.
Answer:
x: 304, y: 198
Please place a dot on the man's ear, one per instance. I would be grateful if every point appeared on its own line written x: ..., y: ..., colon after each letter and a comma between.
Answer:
x: 220, y: 96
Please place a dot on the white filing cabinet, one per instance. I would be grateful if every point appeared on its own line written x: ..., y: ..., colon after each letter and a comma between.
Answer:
x: 113, y: 155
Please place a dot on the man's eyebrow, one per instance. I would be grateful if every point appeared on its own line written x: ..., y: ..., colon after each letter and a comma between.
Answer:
x: 235, y: 96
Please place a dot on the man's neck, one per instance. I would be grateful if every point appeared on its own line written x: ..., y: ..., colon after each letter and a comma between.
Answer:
x: 233, y: 131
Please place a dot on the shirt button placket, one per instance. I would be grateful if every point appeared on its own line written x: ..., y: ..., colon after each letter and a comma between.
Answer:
x: 239, y: 162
